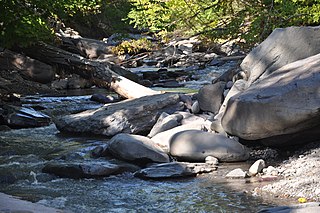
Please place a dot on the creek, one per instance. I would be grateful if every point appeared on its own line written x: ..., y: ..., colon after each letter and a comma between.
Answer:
x: 24, y: 152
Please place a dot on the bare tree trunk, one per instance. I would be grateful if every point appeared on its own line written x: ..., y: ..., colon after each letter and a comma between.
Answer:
x: 101, y: 74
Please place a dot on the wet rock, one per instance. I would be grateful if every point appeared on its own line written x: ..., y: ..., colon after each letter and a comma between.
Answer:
x: 136, y: 148
x: 87, y: 169
x: 165, y: 122
x: 11, y: 204
x: 104, y: 99
x: 174, y: 170
x: 257, y: 167
x: 196, y: 145
x: 283, y: 103
x: 237, y: 173
x: 129, y: 116
x: 4, y: 128
x: 23, y: 117
x: 210, y: 97
x: 7, y: 178
x: 283, y: 46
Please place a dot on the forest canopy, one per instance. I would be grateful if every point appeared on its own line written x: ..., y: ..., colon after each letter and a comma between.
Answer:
x: 23, y: 22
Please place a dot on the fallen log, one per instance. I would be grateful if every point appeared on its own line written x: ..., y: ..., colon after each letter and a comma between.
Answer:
x: 100, y: 73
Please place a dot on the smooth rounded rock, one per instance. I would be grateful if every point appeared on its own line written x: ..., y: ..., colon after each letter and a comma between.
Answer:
x: 237, y: 173
x: 165, y: 122
x: 196, y: 145
x: 257, y: 167
x: 136, y: 148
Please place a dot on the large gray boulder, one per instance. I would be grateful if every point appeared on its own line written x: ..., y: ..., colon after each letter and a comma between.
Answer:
x: 196, y: 145
x: 136, y: 148
x: 285, y: 102
x: 130, y: 116
x: 282, y: 47
x: 210, y: 97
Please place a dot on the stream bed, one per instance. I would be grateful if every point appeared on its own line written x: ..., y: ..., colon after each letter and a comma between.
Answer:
x: 24, y: 152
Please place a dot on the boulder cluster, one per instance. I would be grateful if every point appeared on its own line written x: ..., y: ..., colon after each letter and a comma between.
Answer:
x: 273, y: 99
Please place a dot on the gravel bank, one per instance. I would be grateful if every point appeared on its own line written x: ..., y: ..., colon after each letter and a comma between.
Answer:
x: 299, y: 175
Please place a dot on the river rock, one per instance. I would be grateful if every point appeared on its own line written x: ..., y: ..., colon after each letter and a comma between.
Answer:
x: 87, y: 169
x: 136, y: 148
x: 283, y: 103
x: 195, y: 108
x: 196, y: 145
x: 22, y: 117
x: 174, y: 170
x: 165, y: 122
x: 129, y: 116
x: 163, y: 138
x: 237, y: 173
x: 211, y: 160
x: 104, y: 99
x: 210, y: 97
x: 283, y: 46
x: 257, y: 167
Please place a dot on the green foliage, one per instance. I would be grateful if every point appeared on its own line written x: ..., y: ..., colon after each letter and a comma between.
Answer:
x: 249, y: 22
x: 132, y: 47
x: 23, y: 22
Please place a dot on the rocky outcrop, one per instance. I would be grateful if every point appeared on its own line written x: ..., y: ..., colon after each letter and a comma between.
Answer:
x: 174, y: 170
x: 196, y: 145
x: 136, y: 148
x: 129, y: 116
x: 285, y: 102
x: 282, y: 47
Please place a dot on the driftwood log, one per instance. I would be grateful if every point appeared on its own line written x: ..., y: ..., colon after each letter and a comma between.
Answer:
x: 100, y: 73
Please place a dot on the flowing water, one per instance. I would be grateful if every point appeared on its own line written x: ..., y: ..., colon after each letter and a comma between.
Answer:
x: 24, y: 152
